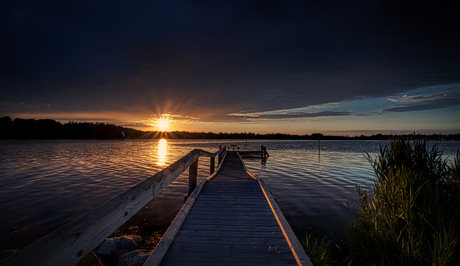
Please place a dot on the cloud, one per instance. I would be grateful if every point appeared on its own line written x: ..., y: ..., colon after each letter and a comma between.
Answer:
x: 426, y: 98
x: 418, y: 101
x: 287, y: 115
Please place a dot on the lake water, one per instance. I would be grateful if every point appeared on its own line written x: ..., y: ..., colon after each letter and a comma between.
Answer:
x: 44, y: 184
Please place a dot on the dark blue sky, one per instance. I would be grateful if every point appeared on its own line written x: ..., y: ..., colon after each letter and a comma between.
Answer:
x: 240, y: 65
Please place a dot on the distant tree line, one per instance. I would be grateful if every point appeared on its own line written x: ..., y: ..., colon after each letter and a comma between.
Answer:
x: 51, y: 129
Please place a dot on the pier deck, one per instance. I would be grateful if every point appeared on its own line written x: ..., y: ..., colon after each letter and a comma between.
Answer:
x: 232, y: 219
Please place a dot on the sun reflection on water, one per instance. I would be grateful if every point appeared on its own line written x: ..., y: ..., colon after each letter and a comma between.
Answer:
x: 162, y: 152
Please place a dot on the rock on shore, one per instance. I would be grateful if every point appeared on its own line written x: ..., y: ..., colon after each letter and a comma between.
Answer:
x: 122, y: 251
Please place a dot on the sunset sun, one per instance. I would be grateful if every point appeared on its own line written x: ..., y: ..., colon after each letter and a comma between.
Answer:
x: 163, y: 124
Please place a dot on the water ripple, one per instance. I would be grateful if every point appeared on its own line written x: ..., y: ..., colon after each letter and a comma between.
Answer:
x: 45, y: 184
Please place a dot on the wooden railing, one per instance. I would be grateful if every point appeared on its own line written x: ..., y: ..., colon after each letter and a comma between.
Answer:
x: 72, y: 242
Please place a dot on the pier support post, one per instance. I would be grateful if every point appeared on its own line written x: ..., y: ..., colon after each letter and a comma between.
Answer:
x: 213, y: 162
x: 192, y: 175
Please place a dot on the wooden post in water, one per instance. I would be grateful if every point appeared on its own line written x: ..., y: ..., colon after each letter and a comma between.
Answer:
x: 219, y: 160
x: 263, y: 152
x: 192, y: 175
x: 213, y: 162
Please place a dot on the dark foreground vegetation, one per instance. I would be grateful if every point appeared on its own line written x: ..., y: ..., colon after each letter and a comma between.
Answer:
x: 412, y: 216
x: 51, y: 129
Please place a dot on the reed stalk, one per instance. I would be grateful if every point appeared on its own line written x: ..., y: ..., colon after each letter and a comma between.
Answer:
x: 319, y: 251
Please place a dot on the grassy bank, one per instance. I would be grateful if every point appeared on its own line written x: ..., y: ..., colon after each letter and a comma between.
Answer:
x: 412, y: 216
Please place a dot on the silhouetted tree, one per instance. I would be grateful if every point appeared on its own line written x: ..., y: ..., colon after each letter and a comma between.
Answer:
x: 6, y: 127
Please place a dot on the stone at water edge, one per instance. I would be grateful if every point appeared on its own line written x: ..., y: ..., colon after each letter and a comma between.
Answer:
x: 134, y: 258
x: 117, y: 246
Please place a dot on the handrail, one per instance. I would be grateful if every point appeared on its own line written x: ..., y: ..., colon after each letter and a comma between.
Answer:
x: 72, y: 242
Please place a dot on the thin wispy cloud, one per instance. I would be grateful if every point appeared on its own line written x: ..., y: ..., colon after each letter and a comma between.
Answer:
x: 419, y: 102
x: 413, y: 100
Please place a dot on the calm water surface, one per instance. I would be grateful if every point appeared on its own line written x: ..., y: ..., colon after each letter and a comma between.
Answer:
x: 44, y: 184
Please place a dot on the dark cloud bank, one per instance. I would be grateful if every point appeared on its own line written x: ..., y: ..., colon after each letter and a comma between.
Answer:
x: 212, y: 58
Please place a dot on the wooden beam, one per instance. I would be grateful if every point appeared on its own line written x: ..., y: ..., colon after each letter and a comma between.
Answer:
x: 213, y: 162
x: 193, y: 173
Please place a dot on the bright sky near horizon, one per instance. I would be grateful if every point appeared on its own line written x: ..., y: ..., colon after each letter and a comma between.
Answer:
x: 298, y: 67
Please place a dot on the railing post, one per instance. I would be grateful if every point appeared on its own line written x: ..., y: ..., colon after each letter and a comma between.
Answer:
x: 219, y: 160
x: 213, y: 162
x: 192, y: 175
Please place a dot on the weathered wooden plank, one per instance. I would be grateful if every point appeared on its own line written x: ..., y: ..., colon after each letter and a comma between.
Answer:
x: 232, y: 199
x: 216, y: 203
x: 224, y: 224
x: 228, y: 258
x: 260, y: 259
x: 227, y: 208
x: 239, y: 202
x: 269, y: 256
x: 233, y: 239
x: 234, y: 222
x: 226, y: 213
x: 235, y: 219
x: 235, y: 248
x: 229, y: 233
x: 229, y: 227
x: 223, y: 204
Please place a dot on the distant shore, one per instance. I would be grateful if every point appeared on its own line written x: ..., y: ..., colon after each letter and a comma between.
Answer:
x: 50, y: 129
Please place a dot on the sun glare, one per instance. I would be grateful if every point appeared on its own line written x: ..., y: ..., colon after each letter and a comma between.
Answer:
x: 163, y: 124
x: 162, y: 151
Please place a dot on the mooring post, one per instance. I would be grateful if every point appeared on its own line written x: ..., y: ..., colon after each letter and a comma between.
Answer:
x: 192, y: 175
x: 213, y: 162
x: 262, y: 151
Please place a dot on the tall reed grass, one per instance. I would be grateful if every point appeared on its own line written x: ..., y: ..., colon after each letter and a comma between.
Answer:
x: 412, y: 216
x: 319, y: 251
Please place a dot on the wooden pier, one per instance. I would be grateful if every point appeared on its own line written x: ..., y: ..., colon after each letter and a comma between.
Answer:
x: 229, y: 218
x: 262, y: 153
